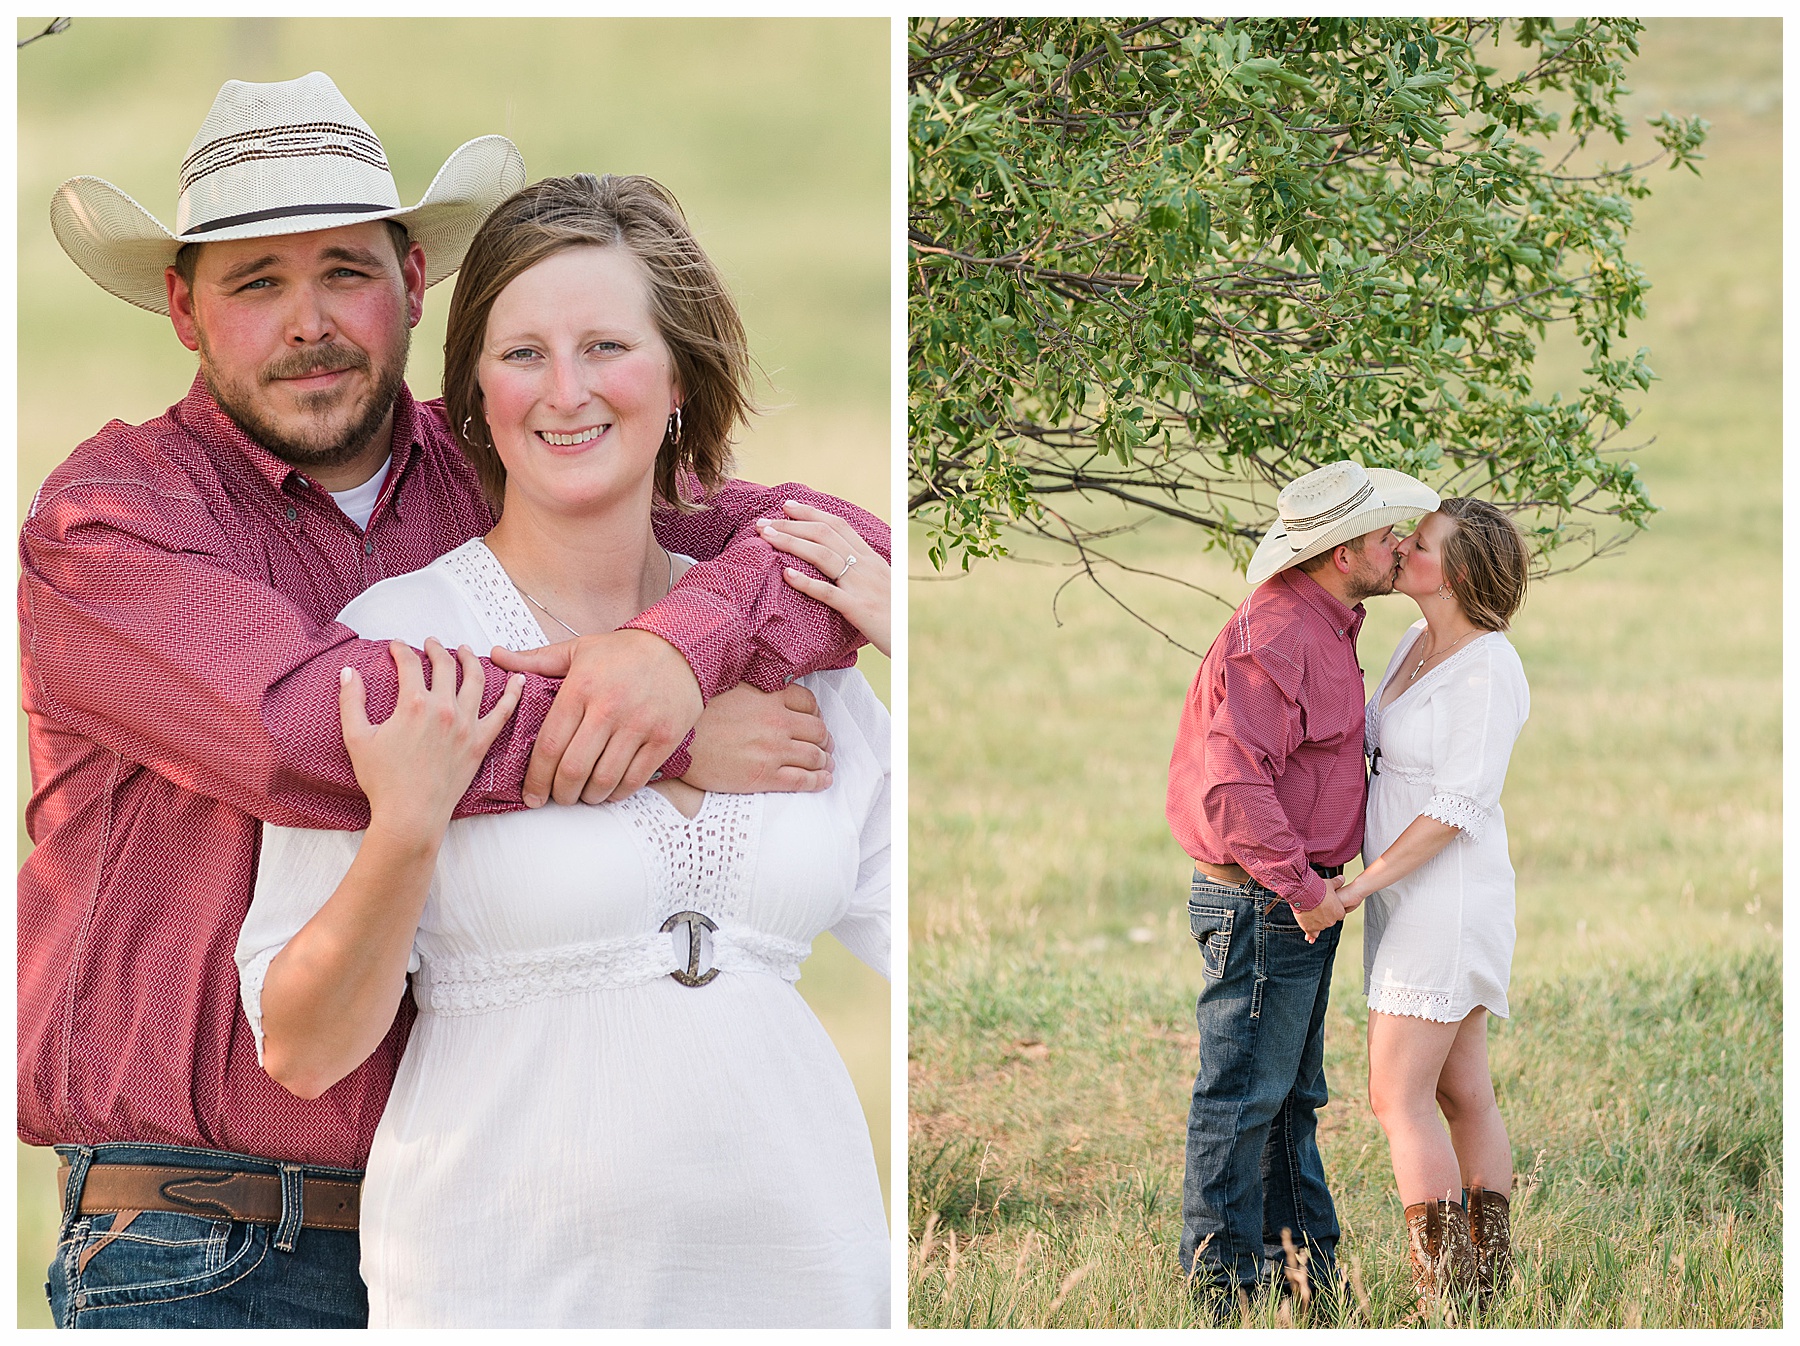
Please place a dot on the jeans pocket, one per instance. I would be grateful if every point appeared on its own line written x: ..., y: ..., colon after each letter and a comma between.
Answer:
x: 1211, y: 928
x: 159, y: 1255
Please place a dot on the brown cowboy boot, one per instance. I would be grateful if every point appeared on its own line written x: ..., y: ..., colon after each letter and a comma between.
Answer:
x: 1443, y: 1259
x: 1490, y: 1230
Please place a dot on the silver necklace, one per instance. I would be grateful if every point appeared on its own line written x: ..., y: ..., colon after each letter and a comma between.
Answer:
x: 559, y: 621
x: 1422, y: 658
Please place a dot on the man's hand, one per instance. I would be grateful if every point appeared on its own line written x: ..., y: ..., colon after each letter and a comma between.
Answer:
x: 1327, y: 914
x: 627, y: 700
x: 749, y: 741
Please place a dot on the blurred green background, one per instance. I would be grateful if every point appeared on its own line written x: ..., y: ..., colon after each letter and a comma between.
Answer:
x: 773, y: 134
x: 1052, y: 975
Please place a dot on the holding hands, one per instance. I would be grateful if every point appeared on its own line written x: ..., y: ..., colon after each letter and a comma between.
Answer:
x: 1340, y: 900
x: 857, y: 583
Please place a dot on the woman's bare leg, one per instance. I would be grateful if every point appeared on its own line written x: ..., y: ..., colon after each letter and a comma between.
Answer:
x: 1465, y: 1091
x: 1406, y: 1058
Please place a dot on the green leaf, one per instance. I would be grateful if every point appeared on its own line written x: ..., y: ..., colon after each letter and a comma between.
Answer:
x: 1182, y: 284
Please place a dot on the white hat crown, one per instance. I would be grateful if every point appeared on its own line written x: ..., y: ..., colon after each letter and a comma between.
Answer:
x: 298, y: 145
x: 1322, y: 499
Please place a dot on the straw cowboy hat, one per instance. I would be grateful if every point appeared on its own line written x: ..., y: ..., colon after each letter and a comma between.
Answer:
x: 1334, y: 504
x: 271, y: 159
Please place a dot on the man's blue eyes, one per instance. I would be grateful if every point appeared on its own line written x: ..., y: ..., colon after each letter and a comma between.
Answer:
x: 341, y: 272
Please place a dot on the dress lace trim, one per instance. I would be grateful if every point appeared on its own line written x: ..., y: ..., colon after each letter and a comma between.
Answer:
x: 700, y: 863
x: 477, y: 985
x: 486, y: 582
x: 1458, y: 811
x: 1433, y: 1005
x: 1412, y: 775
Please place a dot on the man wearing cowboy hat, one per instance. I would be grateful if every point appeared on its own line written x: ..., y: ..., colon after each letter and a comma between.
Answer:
x: 1266, y: 793
x: 181, y: 670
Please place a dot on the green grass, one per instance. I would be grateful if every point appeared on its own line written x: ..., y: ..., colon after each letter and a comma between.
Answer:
x: 773, y: 134
x: 1052, y: 1043
x: 1647, y: 1124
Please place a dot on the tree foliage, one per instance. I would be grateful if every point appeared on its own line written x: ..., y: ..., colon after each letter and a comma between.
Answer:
x: 1177, y: 262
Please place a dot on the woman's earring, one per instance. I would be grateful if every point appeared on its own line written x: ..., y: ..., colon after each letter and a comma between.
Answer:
x: 467, y: 439
x: 1443, y: 593
x: 674, y: 430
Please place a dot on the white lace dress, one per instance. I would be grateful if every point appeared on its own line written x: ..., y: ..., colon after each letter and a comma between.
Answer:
x: 1440, y: 941
x: 575, y: 1138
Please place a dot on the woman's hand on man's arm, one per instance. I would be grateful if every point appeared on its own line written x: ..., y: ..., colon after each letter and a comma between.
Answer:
x: 733, y: 615
x: 329, y: 996
x: 857, y: 584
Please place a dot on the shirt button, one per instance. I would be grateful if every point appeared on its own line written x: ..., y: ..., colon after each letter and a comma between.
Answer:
x: 292, y: 513
x: 368, y: 546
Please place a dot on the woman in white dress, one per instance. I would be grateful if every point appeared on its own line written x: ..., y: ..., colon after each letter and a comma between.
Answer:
x: 1438, y: 936
x: 614, y: 1107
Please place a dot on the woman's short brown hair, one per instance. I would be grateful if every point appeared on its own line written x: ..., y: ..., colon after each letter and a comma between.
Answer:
x: 1486, y: 561
x: 693, y: 311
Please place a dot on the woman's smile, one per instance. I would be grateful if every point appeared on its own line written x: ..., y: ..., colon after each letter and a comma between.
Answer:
x: 571, y: 439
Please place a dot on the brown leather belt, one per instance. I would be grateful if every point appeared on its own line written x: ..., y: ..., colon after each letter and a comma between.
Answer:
x: 1238, y: 876
x: 252, y: 1197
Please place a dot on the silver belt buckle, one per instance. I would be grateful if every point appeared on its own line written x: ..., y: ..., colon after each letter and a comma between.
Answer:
x: 692, y: 975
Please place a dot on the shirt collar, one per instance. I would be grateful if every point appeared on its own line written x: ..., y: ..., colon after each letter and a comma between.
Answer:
x: 200, y: 414
x: 1345, y: 621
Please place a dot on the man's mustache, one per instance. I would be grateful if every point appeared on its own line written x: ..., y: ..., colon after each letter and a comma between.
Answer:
x: 316, y: 360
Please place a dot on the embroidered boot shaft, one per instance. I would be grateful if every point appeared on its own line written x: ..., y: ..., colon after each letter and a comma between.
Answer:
x: 1443, y: 1258
x: 1490, y: 1230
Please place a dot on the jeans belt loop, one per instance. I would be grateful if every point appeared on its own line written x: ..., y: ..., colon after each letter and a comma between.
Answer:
x: 293, y: 1207
x: 79, y: 1163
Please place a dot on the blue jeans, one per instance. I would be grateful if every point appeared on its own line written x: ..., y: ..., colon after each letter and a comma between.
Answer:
x: 173, y: 1270
x: 1253, y: 1166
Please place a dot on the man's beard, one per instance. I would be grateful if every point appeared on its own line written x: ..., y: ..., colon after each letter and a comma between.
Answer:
x: 1364, y: 587
x: 314, y: 451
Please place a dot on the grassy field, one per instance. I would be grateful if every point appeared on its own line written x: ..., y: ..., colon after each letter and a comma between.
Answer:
x: 773, y: 134
x: 1052, y: 1038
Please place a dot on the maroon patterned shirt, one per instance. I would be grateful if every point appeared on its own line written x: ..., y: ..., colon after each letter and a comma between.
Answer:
x: 1268, y: 764
x: 181, y: 677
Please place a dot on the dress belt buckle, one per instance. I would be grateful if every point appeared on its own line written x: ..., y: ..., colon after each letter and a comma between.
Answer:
x: 692, y: 975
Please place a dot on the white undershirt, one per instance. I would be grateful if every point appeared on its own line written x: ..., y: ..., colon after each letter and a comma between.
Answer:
x: 358, y: 503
